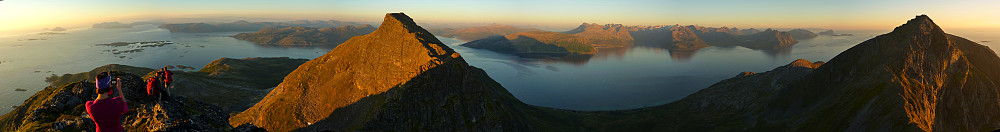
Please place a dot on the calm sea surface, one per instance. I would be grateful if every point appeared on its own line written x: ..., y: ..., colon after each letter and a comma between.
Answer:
x: 614, y: 78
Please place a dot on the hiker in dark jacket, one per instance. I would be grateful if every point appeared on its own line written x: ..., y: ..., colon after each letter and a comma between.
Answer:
x: 106, y: 111
x: 164, y: 77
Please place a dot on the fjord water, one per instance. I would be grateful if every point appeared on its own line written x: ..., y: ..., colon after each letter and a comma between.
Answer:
x: 634, y: 77
x: 614, y: 78
x: 25, y: 63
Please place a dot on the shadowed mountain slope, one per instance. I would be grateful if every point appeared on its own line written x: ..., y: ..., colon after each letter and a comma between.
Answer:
x: 399, y: 77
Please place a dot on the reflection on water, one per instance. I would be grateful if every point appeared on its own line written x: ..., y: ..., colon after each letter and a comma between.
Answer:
x: 638, y: 76
x: 75, y: 52
x: 775, y: 53
x: 682, y: 55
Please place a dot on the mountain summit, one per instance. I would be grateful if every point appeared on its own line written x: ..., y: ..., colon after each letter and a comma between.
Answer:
x: 399, y: 77
x: 916, y: 77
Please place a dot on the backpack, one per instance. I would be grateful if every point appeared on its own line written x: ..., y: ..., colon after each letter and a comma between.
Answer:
x: 167, y: 76
x: 152, y: 86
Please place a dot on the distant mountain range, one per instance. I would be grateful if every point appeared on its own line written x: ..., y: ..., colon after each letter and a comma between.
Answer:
x: 250, y: 26
x: 831, y: 33
x: 402, y: 78
x: 301, y: 36
x: 587, y: 37
x: 476, y: 33
x: 916, y: 78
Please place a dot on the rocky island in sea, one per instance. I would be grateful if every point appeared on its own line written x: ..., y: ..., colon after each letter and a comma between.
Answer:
x: 243, y: 25
x: 831, y: 33
x: 304, y: 36
x: 476, y: 33
x: 111, y: 25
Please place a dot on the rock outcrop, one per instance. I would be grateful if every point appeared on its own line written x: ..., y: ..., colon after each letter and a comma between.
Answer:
x: 398, y: 78
x: 304, y: 36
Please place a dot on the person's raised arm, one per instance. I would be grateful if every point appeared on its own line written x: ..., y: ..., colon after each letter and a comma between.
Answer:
x: 120, y: 93
x: 119, y: 87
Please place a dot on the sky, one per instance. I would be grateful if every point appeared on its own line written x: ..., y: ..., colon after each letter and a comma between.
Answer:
x: 22, y: 15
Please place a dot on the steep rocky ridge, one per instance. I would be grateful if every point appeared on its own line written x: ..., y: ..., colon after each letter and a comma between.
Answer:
x: 399, y: 77
x: 916, y: 77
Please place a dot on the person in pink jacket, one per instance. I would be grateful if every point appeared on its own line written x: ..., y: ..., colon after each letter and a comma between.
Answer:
x: 106, y: 111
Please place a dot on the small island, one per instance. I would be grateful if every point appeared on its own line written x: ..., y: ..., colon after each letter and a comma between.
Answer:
x: 57, y: 29
x: 243, y: 25
x: 111, y: 25
x: 831, y: 33
x: 304, y: 36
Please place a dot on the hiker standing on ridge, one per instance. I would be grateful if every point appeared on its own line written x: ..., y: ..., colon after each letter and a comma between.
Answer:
x: 167, y: 78
x: 106, y: 111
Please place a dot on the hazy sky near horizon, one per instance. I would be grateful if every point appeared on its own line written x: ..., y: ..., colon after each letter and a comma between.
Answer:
x: 841, y: 14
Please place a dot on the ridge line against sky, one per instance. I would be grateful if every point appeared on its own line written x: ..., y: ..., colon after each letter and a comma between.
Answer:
x: 844, y: 14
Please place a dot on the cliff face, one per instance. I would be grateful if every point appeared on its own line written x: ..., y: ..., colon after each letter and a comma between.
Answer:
x: 298, y: 36
x: 399, y: 77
